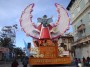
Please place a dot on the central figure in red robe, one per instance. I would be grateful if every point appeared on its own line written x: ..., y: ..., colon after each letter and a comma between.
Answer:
x: 45, y: 27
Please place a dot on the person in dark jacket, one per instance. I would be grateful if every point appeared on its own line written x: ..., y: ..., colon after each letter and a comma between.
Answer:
x: 76, y: 62
x: 84, y: 60
x: 14, y: 63
x: 25, y: 62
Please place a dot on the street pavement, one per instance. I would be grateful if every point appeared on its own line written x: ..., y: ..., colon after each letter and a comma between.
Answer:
x: 9, y: 65
x: 20, y: 65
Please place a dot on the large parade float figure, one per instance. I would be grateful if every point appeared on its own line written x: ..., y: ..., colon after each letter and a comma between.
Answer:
x: 45, y: 35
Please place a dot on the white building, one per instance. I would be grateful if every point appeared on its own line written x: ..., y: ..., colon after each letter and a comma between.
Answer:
x: 80, y: 16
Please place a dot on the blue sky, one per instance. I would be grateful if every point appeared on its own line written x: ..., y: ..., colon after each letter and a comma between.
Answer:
x: 10, y: 12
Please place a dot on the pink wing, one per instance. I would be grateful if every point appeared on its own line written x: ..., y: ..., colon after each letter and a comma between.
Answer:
x: 58, y: 29
x: 62, y: 23
x: 26, y: 22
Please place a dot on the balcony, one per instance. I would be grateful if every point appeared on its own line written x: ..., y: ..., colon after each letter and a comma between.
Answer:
x: 81, y: 28
x: 79, y: 36
x: 80, y: 33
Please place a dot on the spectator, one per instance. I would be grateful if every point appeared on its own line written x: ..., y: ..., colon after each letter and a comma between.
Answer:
x: 84, y: 60
x: 79, y: 63
x: 88, y: 60
x: 14, y: 63
x: 76, y: 62
x: 25, y: 61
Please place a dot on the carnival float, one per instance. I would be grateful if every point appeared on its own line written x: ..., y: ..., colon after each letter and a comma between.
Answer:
x: 45, y: 35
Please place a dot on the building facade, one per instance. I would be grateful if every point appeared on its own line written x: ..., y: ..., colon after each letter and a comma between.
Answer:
x: 3, y: 50
x: 66, y: 40
x: 80, y: 16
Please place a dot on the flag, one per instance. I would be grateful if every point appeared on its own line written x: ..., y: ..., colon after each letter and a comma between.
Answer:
x: 26, y: 49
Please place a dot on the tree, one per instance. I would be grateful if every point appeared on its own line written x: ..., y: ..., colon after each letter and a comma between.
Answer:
x: 18, y: 52
x: 5, y: 42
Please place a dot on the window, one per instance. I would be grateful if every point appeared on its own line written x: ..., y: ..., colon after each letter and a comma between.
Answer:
x: 81, y: 29
x: 75, y: 27
x: 78, y: 8
x: 64, y: 40
x: 70, y: 40
x: 86, y: 1
x: 89, y: 14
x: 73, y: 15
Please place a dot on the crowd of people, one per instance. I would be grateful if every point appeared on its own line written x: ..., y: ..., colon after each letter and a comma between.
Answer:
x: 82, y: 62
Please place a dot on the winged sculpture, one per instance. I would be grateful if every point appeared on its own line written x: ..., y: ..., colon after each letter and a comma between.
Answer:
x: 45, y: 28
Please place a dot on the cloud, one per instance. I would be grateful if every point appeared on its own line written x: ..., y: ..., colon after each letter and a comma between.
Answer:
x: 13, y: 8
x: 10, y: 12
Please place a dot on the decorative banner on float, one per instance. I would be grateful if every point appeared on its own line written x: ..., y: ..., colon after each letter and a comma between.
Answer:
x: 44, y: 61
x: 65, y: 52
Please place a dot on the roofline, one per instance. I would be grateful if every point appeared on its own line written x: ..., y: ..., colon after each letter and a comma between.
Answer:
x: 69, y: 36
x: 70, y: 4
